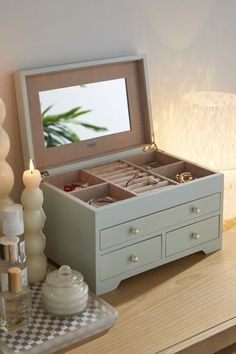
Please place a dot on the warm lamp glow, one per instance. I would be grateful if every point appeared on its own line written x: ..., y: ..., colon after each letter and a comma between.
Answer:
x: 209, y: 118
x: 201, y: 127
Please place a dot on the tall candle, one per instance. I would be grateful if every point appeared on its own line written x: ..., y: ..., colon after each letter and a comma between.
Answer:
x: 6, y: 173
x: 34, y: 219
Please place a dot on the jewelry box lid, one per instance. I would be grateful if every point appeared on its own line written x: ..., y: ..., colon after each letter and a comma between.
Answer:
x: 76, y: 112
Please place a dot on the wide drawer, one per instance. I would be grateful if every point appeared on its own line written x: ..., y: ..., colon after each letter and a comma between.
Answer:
x: 192, y: 235
x: 130, y: 258
x: 138, y: 228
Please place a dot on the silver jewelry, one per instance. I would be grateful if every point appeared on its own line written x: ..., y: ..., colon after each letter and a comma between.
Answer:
x: 153, y: 180
x: 136, y: 175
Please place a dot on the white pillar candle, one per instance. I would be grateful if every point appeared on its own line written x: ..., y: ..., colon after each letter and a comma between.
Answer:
x: 31, y: 177
x: 6, y: 173
x: 34, y: 219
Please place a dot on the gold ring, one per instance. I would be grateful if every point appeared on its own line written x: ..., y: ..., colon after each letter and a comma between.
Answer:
x: 184, y: 177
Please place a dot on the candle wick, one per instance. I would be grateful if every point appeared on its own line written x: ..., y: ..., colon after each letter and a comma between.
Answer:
x: 31, y: 172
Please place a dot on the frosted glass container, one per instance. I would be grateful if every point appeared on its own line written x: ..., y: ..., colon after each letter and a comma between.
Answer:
x: 64, y: 293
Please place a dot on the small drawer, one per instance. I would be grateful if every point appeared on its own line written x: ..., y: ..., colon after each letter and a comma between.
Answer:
x: 130, y: 258
x: 192, y: 235
x: 136, y: 229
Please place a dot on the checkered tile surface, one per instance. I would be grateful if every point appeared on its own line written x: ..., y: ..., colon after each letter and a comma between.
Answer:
x: 46, y: 328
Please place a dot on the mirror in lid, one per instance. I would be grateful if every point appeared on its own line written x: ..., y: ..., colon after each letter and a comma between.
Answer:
x: 83, y: 112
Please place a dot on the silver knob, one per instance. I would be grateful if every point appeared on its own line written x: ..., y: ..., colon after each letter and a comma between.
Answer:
x: 195, y: 236
x: 134, y: 259
x: 195, y: 210
x: 134, y: 231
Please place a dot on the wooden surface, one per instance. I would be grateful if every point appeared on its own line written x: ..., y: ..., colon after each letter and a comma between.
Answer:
x: 187, y: 306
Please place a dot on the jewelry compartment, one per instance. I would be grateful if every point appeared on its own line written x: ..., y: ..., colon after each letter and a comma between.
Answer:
x: 103, y: 194
x: 130, y: 176
x: 151, y: 160
x: 73, y: 180
x: 183, y: 171
x: 116, y: 171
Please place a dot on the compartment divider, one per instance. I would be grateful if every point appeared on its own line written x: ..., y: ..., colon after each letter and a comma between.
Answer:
x: 172, y: 181
x: 102, y: 194
x: 170, y: 170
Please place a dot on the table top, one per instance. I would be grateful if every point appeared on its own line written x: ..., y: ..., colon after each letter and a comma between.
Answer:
x: 174, y: 308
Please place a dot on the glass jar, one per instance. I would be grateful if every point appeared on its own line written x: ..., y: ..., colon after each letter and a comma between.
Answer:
x: 64, y: 293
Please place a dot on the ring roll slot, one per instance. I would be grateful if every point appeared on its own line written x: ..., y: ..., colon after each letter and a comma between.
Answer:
x: 107, y: 167
x: 81, y: 178
x: 117, y: 172
x: 142, y: 180
x: 151, y: 187
x: 123, y: 181
x: 147, y: 181
x: 103, y: 194
x: 125, y: 175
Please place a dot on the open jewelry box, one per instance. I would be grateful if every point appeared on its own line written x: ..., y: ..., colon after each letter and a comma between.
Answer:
x: 115, y: 204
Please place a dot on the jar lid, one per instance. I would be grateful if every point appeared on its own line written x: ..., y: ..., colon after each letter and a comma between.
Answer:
x: 65, y: 277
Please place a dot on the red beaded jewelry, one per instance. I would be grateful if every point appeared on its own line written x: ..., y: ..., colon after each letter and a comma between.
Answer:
x: 71, y: 187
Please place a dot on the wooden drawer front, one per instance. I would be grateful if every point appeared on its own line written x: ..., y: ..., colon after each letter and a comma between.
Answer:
x: 192, y: 235
x: 135, y: 229
x: 130, y: 258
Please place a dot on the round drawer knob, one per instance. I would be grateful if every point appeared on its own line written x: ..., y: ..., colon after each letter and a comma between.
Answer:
x: 134, y: 231
x: 195, y: 210
x: 195, y: 236
x: 134, y: 259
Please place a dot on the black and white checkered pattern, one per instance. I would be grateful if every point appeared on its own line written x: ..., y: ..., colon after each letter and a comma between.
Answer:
x: 46, y: 328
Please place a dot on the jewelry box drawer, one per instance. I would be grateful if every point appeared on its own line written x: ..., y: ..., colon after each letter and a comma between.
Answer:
x: 192, y: 235
x: 138, y: 228
x: 130, y: 258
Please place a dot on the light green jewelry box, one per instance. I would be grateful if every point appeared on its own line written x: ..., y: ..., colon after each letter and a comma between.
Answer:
x: 126, y: 210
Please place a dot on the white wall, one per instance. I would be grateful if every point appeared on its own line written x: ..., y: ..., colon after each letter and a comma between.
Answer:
x: 190, y: 44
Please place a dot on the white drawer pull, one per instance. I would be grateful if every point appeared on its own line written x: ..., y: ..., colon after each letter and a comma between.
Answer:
x: 195, y: 236
x: 134, y: 259
x: 195, y: 210
x: 134, y: 231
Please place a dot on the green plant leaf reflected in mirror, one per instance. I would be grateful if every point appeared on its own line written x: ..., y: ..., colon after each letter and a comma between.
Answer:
x: 56, y: 129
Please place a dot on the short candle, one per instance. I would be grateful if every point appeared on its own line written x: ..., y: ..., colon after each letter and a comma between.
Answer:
x: 32, y: 177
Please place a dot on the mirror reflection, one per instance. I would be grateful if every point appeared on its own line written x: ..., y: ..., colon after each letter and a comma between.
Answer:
x: 82, y: 112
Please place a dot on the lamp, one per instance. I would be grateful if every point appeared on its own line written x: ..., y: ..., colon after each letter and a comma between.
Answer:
x: 204, y: 125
